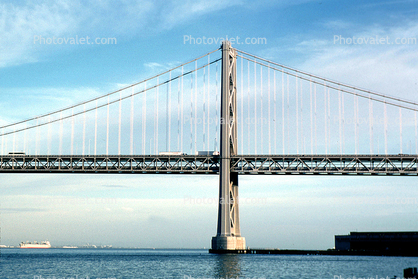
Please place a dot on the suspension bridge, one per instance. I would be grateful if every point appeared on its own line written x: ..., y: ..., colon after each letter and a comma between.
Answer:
x: 227, y: 113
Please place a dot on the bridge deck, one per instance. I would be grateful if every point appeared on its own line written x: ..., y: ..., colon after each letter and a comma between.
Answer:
x: 191, y: 164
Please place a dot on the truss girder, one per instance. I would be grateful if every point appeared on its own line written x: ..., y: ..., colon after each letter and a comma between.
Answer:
x: 242, y: 164
x: 327, y: 164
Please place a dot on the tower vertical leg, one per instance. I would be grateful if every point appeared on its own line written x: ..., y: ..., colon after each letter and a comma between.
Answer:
x: 228, y: 235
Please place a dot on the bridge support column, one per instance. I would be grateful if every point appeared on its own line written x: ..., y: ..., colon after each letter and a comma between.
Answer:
x: 228, y: 235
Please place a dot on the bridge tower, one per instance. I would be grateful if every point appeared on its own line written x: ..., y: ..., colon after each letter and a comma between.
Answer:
x: 228, y: 235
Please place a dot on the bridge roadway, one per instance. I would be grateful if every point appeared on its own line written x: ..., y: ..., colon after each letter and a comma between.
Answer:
x: 193, y: 164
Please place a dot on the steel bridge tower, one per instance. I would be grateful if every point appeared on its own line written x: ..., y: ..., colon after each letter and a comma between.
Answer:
x: 228, y: 235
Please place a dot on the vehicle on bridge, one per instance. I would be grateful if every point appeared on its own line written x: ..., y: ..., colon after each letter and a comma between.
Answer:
x: 17, y: 153
x: 176, y: 153
x: 207, y: 153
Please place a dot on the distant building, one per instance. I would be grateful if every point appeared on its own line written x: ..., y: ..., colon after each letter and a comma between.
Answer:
x: 385, y: 242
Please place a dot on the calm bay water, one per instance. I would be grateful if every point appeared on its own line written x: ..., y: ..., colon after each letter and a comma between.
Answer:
x: 126, y: 263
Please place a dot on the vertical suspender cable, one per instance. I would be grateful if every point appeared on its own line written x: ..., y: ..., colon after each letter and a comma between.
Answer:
x: 315, y: 122
x: 311, y: 114
x: 15, y: 142
x: 120, y: 121
x: 182, y: 110
x: 400, y: 129
x: 269, y: 108
x: 179, y: 148
x: 167, y: 120
x: 7, y: 140
x: 195, y: 109
x: 37, y: 139
x: 339, y: 122
x: 208, y: 112
x: 297, y: 114
x: 48, y: 138
x: 301, y: 118
x: 275, y: 112
x: 61, y: 134
x: 355, y: 125
x: 386, y: 128
x: 14, y: 147
x: 241, y: 122
x: 255, y: 108
x: 283, y: 119
x: 343, y: 120
x: 371, y: 124
x: 329, y: 120
x: 169, y: 115
x: 18, y: 141
x: 261, y: 110
x: 132, y: 123
x: 72, y: 132
x: 84, y: 130
x: 204, y: 109
x: 153, y: 140
x: 248, y: 107
x: 216, y: 106
x: 25, y: 143
x: 95, y: 130
x: 14, y: 139
x: 155, y: 120
x: 107, y: 128
x: 144, y: 134
x: 157, y: 134
x: 191, y: 114
x: 326, y: 121
x: 288, y: 113
x: 416, y: 133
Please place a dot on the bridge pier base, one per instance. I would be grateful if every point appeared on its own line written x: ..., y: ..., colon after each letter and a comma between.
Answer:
x: 227, y: 243
x: 229, y: 231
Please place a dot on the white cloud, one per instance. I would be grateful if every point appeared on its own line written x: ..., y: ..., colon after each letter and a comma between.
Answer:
x: 388, y: 3
x: 158, y: 67
x: 20, y: 23
x: 389, y: 69
x: 338, y: 24
x: 173, y: 13
x: 47, y: 100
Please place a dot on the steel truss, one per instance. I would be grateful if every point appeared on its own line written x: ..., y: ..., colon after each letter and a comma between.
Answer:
x: 190, y: 164
x: 110, y: 164
x: 327, y: 164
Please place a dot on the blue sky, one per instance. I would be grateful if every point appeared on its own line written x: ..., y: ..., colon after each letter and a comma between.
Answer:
x: 162, y: 211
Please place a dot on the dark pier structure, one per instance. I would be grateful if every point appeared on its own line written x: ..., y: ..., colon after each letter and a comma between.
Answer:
x: 388, y: 243
x: 354, y: 244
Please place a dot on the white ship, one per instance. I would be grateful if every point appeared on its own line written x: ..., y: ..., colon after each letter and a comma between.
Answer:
x: 35, y: 244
